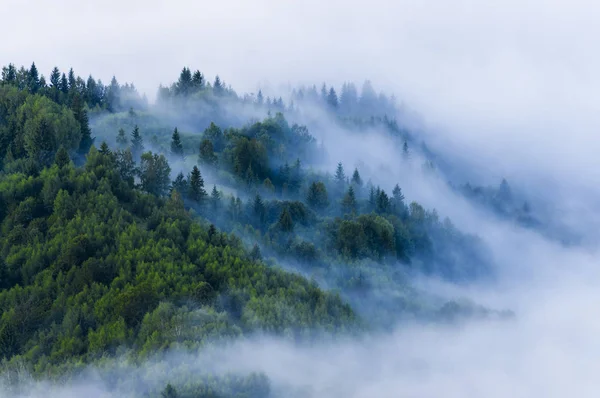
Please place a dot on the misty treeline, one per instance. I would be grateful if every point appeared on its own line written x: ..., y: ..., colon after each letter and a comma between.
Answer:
x: 142, y: 237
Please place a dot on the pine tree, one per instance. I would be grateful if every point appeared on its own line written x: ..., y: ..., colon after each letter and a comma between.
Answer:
x: 405, y: 152
x: 121, y: 138
x: 62, y: 157
x: 64, y: 84
x: 198, y: 81
x: 104, y: 149
x: 176, y: 146
x: 255, y: 253
x: 398, y: 199
x: 332, y: 99
x: 349, y: 201
x: 259, y: 98
x: 317, y: 196
x: 72, y: 80
x: 196, y: 186
x: 169, y: 392
x: 383, y: 202
x: 9, y: 74
x: 184, y: 84
x: 218, y: 86
x: 356, y: 178
x: 340, y: 176
x: 207, y: 153
x: 33, y: 83
x: 215, y: 198
x: 180, y: 184
x: 286, y: 224
x: 259, y: 209
x: 372, y: 198
x: 137, y: 142
x: 55, y: 79
x: 81, y: 116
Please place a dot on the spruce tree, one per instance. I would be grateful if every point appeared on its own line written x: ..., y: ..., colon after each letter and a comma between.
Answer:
x: 255, y: 253
x: 405, y: 152
x: 349, y: 201
x: 340, y: 176
x: 64, y: 84
x: 104, y: 149
x: 207, y: 153
x: 356, y: 178
x: 62, y: 157
x: 176, y: 146
x: 33, y: 83
x: 121, y: 138
x: 81, y: 116
x: 286, y: 224
x: 215, y: 198
x: 196, y: 186
x: 180, y: 184
x: 55, y: 79
x: 137, y: 142
x: 259, y: 209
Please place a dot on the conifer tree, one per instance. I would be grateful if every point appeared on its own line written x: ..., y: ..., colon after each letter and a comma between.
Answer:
x: 176, y: 146
x: 255, y: 253
x: 196, y: 187
x: 55, y: 78
x: 215, y: 198
x: 137, y: 142
x: 80, y: 114
x: 356, y: 180
x: 62, y: 157
x: 349, y: 201
x: 286, y: 224
x: 121, y: 138
x: 340, y: 176
x: 207, y: 153
x: 33, y: 83
x: 180, y: 184
x: 64, y: 84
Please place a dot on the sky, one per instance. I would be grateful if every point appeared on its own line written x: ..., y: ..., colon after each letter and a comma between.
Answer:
x: 509, y: 87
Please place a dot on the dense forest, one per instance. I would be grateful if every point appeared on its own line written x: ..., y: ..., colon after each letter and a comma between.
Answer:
x: 130, y: 229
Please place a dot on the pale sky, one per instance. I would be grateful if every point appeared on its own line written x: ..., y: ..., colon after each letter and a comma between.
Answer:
x: 521, y: 75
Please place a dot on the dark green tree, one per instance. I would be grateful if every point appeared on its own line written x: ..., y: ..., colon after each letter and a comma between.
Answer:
x: 169, y: 392
x: 349, y: 201
x: 218, y: 88
x: 215, y: 198
x: 340, y: 176
x: 137, y: 142
x: 64, y: 84
x: 121, y: 138
x: 180, y: 184
x: 207, y: 154
x: 33, y: 81
x: 176, y: 145
x: 317, y: 196
x: 81, y: 116
x: 285, y: 223
x: 196, y: 186
x: 62, y: 157
x: 332, y: 99
x: 154, y: 174
x: 356, y: 178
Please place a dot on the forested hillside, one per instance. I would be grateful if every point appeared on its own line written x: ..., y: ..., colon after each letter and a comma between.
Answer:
x: 205, y: 217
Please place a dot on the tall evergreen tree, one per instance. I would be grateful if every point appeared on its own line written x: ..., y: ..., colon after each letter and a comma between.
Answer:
x: 176, y: 146
x: 349, y: 201
x: 332, y: 99
x: 207, y: 153
x: 55, y: 78
x: 218, y: 86
x: 62, y: 157
x: 154, y: 174
x: 64, y: 84
x: 258, y: 207
x: 9, y: 74
x: 356, y: 180
x: 81, y: 116
x: 215, y: 198
x: 405, y: 151
x: 33, y: 79
x: 121, y: 138
x: 317, y: 195
x: 340, y: 176
x: 285, y: 223
x: 180, y: 184
x: 196, y: 186
x: 137, y: 142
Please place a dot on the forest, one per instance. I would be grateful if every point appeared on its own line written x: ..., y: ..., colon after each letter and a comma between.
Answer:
x: 132, y: 230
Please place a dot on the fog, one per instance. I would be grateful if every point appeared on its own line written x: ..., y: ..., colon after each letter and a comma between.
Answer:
x: 504, y: 90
